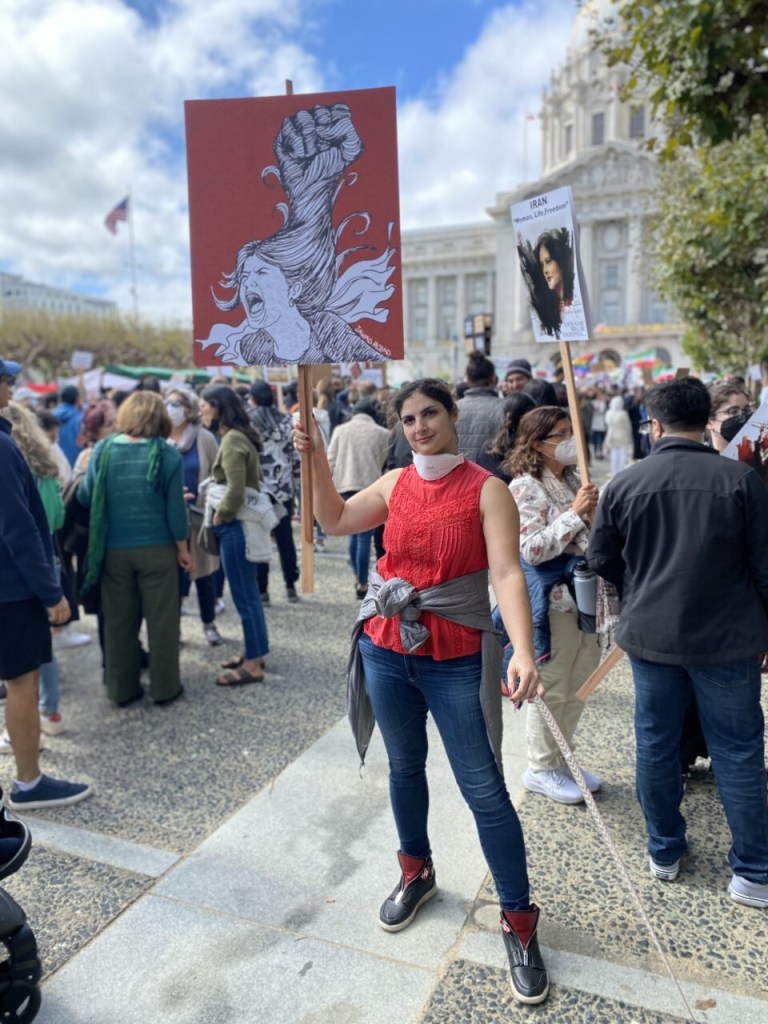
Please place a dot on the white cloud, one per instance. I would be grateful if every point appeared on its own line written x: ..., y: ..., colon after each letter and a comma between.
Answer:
x: 458, y: 152
x: 93, y: 104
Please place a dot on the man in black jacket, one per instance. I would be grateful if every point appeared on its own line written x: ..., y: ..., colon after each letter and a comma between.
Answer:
x: 684, y: 536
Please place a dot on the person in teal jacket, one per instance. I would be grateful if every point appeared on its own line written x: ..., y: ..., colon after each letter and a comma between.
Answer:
x: 138, y: 536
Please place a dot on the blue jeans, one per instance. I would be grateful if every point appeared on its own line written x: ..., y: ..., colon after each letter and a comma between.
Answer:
x: 360, y: 554
x: 49, y: 687
x: 359, y: 548
x: 206, y: 594
x: 728, y: 699
x: 244, y: 587
x: 402, y: 689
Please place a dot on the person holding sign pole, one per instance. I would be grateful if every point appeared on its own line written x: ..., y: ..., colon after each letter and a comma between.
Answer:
x: 555, y: 509
x: 423, y: 643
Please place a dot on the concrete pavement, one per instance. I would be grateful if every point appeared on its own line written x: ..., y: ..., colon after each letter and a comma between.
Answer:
x: 231, y: 865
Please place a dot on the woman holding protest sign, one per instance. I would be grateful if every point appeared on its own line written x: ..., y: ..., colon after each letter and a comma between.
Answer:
x: 424, y: 644
x: 554, y: 508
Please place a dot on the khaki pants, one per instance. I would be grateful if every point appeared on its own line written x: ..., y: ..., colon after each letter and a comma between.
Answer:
x: 575, y: 656
x: 136, y: 583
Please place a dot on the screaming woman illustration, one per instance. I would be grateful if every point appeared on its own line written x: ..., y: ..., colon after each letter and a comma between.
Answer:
x: 299, y: 293
x: 549, y: 273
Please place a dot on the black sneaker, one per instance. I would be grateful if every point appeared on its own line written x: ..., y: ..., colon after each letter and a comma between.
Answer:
x: 417, y: 885
x: 293, y: 597
x: 528, y: 974
x: 265, y: 598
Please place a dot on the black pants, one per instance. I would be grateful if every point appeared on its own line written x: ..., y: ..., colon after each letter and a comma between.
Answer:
x: 286, y: 549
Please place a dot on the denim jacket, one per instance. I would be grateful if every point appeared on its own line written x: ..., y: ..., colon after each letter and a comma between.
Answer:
x: 540, y: 580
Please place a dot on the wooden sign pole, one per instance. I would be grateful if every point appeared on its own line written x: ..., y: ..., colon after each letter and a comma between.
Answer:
x: 573, y: 405
x: 307, y: 582
x: 611, y: 659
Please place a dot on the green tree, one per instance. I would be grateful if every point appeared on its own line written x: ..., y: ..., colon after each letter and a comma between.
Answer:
x: 710, y: 249
x: 42, y: 341
x: 705, y: 63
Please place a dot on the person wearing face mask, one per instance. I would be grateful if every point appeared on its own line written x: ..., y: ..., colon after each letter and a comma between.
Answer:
x: 198, y: 449
x: 729, y: 402
x: 424, y: 645
x: 555, y: 510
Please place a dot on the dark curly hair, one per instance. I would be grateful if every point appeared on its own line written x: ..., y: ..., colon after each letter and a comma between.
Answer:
x: 534, y: 426
x: 546, y: 303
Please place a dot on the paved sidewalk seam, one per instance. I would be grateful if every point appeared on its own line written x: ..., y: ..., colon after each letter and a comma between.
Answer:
x: 117, y: 853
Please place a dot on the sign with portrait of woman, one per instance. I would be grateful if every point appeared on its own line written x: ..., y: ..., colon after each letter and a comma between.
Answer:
x: 547, y: 250
x: 294, y: 229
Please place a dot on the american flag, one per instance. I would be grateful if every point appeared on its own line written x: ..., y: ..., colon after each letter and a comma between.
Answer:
x: 119, y: 213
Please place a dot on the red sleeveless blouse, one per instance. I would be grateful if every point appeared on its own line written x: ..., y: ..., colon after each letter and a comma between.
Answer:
x: 433, y: 534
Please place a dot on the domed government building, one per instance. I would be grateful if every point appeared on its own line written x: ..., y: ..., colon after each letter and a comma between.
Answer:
x: 590, y: 141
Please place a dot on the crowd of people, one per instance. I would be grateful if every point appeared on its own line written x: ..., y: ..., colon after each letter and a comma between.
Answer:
x: 122, y: 502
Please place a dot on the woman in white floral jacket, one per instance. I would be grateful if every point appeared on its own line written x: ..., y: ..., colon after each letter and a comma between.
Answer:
x: 555, y: 509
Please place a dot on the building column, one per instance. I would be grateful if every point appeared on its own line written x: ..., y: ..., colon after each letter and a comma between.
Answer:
x: 585, y: 254
x: 431, y: 340
x: 634, y: 270
x: 461, y: 305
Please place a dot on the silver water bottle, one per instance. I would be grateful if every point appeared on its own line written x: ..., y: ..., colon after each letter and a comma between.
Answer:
x: 585, y: 591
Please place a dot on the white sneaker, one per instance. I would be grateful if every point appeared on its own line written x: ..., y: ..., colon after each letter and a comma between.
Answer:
x: 555, y: 784
x: 594, y: 782
x: 750, y: 894
x: 665, y: 872
x: 68, y: 637
x: 5, y: 743
x: 51, y: 724
x: 220, y: 607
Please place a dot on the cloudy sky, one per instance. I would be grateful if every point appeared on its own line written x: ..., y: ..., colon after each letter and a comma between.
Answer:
x: 93, y: 94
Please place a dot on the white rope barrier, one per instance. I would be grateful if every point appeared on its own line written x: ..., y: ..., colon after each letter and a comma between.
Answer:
x: 578, y: 778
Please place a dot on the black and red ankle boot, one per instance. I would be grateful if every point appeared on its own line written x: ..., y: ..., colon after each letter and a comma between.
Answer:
x: 530, y: 983
x: 417, y: 885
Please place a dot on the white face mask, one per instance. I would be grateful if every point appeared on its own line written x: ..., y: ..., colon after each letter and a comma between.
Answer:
x: 565, y: 453
x: 432, y: 467
x: 177, y: 413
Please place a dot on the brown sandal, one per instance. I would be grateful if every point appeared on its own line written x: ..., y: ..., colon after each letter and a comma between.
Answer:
x: 238, y: 677
x: 237, y: 662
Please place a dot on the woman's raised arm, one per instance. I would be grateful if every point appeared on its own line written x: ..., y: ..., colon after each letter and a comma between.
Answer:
x: 363, y: 511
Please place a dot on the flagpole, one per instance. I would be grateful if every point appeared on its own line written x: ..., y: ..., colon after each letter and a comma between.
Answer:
x: 132, y: 258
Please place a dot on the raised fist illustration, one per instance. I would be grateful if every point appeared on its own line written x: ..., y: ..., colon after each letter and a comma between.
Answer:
x: 315, y: 146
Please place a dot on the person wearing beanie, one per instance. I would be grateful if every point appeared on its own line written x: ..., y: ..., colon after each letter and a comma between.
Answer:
x: 357, y: 455
x: 70, y: 416
x: 480, y: 410
x: 517, y: 375
x: 280, y: 469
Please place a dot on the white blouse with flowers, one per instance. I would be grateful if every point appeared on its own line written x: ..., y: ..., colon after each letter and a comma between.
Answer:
x: 548, y: 525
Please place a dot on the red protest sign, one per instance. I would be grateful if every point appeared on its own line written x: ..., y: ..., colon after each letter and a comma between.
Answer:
x: 294, y: 228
